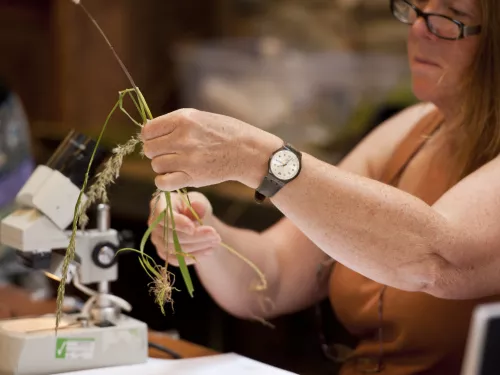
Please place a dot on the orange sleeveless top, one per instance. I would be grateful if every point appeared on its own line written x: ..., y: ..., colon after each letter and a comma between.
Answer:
x: 399, y: 332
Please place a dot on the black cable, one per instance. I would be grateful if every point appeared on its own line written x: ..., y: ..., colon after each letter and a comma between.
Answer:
x: 170, y: 352
x: 4, y: 92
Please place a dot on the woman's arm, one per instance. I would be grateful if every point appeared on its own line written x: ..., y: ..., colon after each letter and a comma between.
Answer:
x: 447, y: 250
x: 289, y: 259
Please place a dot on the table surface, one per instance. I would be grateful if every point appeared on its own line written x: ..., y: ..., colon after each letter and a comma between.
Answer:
x: 184, y: 348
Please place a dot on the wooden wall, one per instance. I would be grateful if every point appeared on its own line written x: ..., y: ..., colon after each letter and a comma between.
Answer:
x: 27, y: 62
x: 54, y: 58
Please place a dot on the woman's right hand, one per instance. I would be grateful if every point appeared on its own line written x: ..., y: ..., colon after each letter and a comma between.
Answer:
x: 195, y: 239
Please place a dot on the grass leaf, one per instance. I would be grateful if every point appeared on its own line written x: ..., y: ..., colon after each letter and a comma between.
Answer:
x: 178, y: 249
x: 146, y: 235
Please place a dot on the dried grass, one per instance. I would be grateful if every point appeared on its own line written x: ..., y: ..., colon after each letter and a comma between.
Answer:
x: 109, y: 174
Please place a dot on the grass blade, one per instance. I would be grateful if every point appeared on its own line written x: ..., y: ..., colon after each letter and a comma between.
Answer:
x: 146, y: 235
x: 178, y: 249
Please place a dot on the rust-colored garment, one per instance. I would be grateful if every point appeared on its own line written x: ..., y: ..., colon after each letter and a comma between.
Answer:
x: 421, y: 334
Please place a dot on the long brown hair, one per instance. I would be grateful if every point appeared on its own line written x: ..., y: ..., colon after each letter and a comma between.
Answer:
x: 478, y: 135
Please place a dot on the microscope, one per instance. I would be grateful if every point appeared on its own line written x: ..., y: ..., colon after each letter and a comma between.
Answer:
x: 39, y: 229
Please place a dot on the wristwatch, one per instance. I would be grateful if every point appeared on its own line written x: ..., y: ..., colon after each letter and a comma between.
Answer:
x: 284, y: 166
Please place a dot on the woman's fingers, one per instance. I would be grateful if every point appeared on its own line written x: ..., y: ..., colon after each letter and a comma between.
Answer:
x: 183, y: 224
x: 188, y: 254
x: 200, y: 234
x: 204, y: 239
x: 190, y: 249
x: 191, y: 258
x: 195, y: 239
x: 174, y: 181
x: 180, y: 206
x: 167, y: 243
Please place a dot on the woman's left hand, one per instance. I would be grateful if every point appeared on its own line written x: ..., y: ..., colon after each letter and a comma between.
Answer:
x: 191, y: 148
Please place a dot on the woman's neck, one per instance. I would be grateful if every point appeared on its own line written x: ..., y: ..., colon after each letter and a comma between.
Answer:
x: 450, y: 112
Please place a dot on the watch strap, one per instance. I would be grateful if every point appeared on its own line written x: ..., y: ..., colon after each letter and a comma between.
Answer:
x: 267, y: 188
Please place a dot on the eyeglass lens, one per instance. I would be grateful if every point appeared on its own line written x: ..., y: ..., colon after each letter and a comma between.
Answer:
x: 438, y: 25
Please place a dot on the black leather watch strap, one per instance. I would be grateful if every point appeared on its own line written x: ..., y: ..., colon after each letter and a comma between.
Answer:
x: 267, y: 188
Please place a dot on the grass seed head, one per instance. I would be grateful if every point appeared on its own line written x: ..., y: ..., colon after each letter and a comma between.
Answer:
x: 110, y: 172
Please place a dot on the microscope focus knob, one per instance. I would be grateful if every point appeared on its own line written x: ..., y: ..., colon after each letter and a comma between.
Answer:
x: 104, y: 254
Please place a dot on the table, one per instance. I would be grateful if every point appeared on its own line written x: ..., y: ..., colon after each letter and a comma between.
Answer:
x: 16, y: 302
x: 184, y: 348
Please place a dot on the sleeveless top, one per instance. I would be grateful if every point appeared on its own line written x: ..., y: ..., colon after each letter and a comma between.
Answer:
x: 399, y: 332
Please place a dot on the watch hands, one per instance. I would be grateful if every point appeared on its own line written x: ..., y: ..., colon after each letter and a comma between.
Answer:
x: 284, y: 164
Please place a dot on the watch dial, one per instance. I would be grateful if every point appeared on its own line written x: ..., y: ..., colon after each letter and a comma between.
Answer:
x: 285, y: 165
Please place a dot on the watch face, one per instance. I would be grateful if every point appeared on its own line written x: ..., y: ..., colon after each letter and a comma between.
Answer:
x: 285, y: 165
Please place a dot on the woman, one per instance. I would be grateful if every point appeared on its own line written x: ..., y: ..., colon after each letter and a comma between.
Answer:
x: 401, y: 242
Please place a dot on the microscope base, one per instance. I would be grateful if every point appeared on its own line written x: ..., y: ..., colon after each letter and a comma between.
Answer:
x: 30, y: 346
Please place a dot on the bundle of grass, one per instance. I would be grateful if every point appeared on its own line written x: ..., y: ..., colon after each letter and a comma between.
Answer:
x: 162, y: 279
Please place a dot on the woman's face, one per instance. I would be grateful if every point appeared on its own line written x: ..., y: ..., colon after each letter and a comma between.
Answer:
x: 437, y: 65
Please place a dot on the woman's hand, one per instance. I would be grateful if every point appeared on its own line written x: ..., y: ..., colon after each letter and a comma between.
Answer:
x: 195, y: 239
x: 191, y: 148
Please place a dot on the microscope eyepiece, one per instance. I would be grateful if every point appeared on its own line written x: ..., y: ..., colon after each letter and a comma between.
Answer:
x: 73, y: 156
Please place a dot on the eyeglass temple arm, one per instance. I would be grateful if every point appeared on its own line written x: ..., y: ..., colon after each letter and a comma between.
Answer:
x: 471, y: 30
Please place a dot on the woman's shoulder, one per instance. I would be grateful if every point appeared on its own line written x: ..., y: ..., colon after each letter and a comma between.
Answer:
x: 378, y: 147
x: 403, y: 121
x: 370, y: 156
x: 395, y: 129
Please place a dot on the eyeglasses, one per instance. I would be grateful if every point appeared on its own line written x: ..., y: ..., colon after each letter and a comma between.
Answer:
x: 442, y: 26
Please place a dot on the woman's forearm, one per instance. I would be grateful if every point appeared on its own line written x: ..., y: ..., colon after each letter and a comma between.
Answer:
x: 377, y: 230
x: 230, y: 280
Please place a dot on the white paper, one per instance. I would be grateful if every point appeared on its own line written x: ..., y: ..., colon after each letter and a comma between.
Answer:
x: 220, y: 364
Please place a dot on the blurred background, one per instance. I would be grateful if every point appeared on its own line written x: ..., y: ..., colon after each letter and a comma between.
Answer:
x: 319, y: 73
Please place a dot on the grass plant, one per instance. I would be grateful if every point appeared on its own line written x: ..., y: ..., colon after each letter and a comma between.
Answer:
x: 162, y: 280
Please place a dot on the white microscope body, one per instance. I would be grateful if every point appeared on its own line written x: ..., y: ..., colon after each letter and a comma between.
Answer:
x: 40, y: 229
